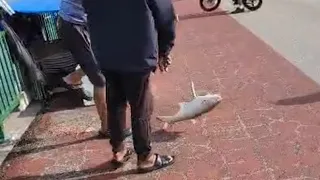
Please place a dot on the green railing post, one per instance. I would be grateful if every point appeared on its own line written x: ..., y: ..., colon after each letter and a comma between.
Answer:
x: 2, y: 137
x: 10, y: 84
x: 49, y: 27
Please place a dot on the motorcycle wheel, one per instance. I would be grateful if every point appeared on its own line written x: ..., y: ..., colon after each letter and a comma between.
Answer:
x: 204, y: 7
x: 252, y: 5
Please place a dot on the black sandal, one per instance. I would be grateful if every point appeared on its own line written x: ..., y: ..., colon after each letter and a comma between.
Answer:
x: 161, y: 161
x: 127, y: 156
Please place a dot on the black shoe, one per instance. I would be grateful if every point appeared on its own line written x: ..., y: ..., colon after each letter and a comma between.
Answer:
x: 127, y: 133
x: 238, y: 10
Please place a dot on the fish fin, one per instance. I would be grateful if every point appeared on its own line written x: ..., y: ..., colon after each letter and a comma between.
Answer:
x: 202, y: 92
x: 193, y: 90
x: 193, y: 121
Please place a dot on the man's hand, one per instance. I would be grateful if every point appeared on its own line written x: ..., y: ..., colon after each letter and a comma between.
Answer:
x: 164, y: 62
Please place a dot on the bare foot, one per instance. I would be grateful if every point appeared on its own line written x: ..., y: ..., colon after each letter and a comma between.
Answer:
x: 148, y: 163
x: 119, y: 156
x: 73, y: 79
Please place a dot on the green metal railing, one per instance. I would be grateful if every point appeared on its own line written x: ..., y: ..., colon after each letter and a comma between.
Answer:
x: 49, y: 26
x: 10, y: 83
x: 49, y: 30
x: 11, y: 80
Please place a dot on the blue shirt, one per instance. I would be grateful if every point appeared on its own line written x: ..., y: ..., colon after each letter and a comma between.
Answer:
x: 73, y: 11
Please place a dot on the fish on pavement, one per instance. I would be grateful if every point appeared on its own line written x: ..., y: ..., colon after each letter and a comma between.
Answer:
x: 200, y: 104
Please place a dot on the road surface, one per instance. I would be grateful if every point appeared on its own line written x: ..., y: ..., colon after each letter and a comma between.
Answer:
x: 291, y: 27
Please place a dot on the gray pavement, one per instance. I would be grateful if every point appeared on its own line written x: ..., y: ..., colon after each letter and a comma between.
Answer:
x: 291, y: 27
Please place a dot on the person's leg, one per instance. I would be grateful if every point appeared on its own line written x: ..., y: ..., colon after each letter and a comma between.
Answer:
x: 73, y: 81
x: 75, y: 77
x: 141, y: 104
x: 100, y: 101
x: 90, y: 66
x: 101, y: 105
x: 99, y: 94
x: 73, y: 41
x: 239, y: 7
x: 77, y: 40
x: 139, y: 95
x: 116, y: 115
x: 240, y: 4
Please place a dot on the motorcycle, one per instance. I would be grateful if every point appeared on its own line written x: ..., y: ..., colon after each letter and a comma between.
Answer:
x: 211, y: 5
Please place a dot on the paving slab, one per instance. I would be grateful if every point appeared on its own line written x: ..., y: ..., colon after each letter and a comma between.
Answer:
x: 266, y: 128
x: 15, y: 126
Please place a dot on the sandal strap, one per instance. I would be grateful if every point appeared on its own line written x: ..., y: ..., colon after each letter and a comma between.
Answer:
x: 163, y: 160
x: 160, y: 162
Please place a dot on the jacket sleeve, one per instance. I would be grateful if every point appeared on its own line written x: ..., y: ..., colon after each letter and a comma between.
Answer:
x: 165, y: 21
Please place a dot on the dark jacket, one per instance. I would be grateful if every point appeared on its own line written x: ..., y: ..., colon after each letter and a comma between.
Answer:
x: 128, y: 35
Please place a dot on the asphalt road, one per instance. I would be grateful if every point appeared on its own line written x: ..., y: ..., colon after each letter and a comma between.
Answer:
x: 291, y: 27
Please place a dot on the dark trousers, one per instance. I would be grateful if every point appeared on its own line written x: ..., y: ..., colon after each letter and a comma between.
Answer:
x: 133, y: 88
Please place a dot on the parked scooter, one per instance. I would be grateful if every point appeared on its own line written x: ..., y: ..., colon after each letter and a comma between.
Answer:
x: 211, y: 5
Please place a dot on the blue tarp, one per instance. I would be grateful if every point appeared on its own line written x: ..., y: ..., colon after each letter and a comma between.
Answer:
x: 34, y: 6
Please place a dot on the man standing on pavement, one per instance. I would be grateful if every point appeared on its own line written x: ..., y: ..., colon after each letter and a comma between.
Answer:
x: 130, y: 39
x: 72, y: 25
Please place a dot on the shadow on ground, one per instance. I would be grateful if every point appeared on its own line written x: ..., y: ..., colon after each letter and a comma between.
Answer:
x: 64, y: 101
x: 299, y: 100
x: 165, y: 136
x: 31, y: 146
x: 202, y: 15
x: 25, y: 147
x: 103, y: 171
